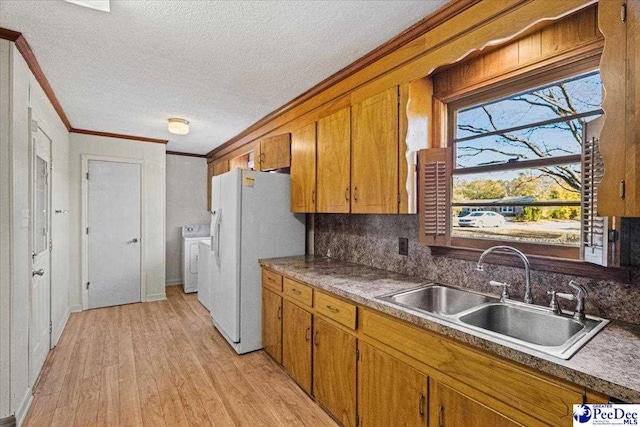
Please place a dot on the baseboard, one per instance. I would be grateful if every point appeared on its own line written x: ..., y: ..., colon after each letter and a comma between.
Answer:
x: 21, y: 413
x: 75, y: 308
x: 57, y: 331
x: 173, y: 282
x: 8, y: 422
x: 156, y: 297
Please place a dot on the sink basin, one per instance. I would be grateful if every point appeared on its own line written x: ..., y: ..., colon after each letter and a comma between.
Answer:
x: 509, y: 323
x: 438, y: 299
x: 531, y: 326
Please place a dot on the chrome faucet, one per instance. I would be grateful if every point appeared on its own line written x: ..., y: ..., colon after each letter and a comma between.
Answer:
x: 528, y: 298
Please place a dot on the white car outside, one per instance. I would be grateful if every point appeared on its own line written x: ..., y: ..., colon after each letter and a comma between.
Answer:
x: 482, y: 219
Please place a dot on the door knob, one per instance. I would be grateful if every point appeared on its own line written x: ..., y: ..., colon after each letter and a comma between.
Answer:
x: 38, y: 272
x: 135, y: 240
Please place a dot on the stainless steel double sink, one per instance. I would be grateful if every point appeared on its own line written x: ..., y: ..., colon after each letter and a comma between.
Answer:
x: 511, y: 322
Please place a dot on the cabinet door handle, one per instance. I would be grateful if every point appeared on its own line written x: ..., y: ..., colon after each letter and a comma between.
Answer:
x: 440, y: 416
x: 622, y: 189
x: 280, y: 312
x: 355, y: 194
x: 316, y: 341
x: 295, y: 291
x: 313, y: 197
x: 269, y: 279
x: 332, y: 309
x: 307, y: 334
x: 346, y: 194
x: 421, y: 405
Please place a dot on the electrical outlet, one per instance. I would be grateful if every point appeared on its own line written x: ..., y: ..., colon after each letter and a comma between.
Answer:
x: 403, y: 246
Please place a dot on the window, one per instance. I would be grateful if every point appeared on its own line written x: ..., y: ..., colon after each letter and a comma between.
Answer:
x: 517, y: 164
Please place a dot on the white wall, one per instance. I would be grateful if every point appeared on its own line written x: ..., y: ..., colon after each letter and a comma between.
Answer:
x: 186, y: 204
x: 5, y: 232
x: 19, y: 92
x: 153, y: 205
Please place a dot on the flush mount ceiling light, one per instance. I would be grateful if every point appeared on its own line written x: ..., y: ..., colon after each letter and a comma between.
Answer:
x: 178, y: 126
x: 102, y: 5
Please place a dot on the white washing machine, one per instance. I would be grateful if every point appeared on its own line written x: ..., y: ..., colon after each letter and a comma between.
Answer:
x: 191, y: 236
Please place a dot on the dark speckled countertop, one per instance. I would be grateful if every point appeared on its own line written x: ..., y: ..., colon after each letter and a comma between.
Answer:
x: 607, y: 364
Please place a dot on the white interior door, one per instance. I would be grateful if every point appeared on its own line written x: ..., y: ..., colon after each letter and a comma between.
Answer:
x: 40, y: 316
x: 114, y: 224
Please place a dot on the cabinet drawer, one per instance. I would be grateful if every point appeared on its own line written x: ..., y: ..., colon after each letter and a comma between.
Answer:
x: 338, y: 310
x: 271, y: 280
x: 298, y: 291
x: 546, y: 398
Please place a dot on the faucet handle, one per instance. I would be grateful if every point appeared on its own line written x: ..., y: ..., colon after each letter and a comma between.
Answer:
x: 554, y: 305
x: 569, y: 297
x: 581, y: 294
x: 505, y: 289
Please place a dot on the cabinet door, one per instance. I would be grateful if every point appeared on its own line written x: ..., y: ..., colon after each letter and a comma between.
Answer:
x: 389, y: 392
x: 449, y: 408
x: 334, y: 371
x: 275, y: 152
x: 303, y: 169
x: 374, y: 154
x: 296, y: 344
x: 272, y: 324
x: 334, y: 163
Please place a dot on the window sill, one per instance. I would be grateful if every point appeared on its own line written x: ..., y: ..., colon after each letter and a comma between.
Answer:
x: 541, y: 263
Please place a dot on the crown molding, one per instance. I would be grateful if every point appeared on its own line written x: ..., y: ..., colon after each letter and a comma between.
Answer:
x: 118, y: 135
x: 26, y: 52
x: 178, y: 153
x: 418, y: 29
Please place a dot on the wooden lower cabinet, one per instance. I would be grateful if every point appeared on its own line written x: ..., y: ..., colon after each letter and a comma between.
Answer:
x: 334, y: 371
x: 390, y: 392
x: 272, y: 324
x: 450, y: 408
x: 296, y: 344
x: 366, y: 368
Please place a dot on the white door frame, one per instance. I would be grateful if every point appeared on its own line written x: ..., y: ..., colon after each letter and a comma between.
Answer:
x: 42, y: 126
x: 84, y: 221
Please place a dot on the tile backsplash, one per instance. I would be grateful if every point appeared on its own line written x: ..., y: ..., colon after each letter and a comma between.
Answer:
x: 372, y: 240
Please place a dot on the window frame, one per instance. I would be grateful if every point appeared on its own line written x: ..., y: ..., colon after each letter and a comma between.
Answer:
x: 509, y: 84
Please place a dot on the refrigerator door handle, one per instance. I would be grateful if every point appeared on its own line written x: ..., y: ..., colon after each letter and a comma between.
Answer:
x: 216, y: 228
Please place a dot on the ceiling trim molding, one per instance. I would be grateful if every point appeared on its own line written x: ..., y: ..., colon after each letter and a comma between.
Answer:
x: 26, y: 52
x: 29, y: 57
x: 118, y: 135
x: 178, y: 153
x: 416, y: 30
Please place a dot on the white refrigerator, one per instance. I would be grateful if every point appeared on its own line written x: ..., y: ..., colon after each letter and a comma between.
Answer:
x: 250, y: 219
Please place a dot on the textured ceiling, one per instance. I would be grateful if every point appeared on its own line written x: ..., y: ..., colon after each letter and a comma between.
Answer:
x: 222, y: 65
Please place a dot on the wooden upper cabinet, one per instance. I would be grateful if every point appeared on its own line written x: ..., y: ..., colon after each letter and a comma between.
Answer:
x: 334, y: 162
x: 272, y: 324
x: 619, y: 191
x: 450, y: 408
x: 390, y: 392
x: 214, y: 169
x: 275, y: 152
x: 296, y: 344
x: 374, y: 154
x: 334, y: 371
x: 303, y: 169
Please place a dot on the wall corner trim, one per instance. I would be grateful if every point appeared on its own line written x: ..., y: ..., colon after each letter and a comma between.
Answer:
x: 25, y: 404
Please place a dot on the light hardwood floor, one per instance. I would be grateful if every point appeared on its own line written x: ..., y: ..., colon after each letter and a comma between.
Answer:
x: 162, y: 364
